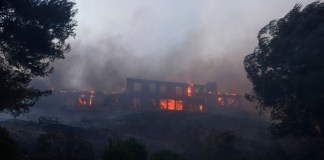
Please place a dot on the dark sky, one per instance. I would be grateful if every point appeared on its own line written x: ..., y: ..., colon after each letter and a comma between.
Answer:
x: 172, y: 40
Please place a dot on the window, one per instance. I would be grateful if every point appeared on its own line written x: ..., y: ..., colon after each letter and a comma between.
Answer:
x: 179, y: 106
x: 171, y: 104
x: 152, y: 88
x: 136, y: 102
x: 163, y: 89
x: 163, y: 104
x: 137, y: 87
x: 196, y: 90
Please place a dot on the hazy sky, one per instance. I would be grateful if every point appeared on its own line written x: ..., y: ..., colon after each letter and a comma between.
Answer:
x: 174, y: 40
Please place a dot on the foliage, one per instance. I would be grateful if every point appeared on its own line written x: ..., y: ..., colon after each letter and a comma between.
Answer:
x: 287, y: 71
x: 54, y: 146
x: 33, y: 33
x: 8, y: 148
x: 119, y: 149
x: 166, y: 155
x: 221, y: 146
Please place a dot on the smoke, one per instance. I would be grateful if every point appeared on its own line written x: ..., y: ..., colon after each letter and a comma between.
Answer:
x: 200, y: 42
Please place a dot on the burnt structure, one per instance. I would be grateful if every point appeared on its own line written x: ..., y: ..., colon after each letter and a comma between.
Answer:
x: 153, y: 94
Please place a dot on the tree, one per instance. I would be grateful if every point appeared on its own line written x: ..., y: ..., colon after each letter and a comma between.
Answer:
x: 119, y: 149
x: 52, y: 146
x: 8, y: 147
x: 33, y: 33
x: 287, y: 71
x: 166, y: 155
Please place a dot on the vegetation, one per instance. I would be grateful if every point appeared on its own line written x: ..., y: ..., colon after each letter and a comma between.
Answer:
x: 8, y: 148
x: 129, y: 149
x: 287, y: 72
x: 221, y: 146
x: 166, y: 155
x: 54, y: 146
x: 33, y: 33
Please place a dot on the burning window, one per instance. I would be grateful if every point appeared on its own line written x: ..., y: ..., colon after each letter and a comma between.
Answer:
x: 163, y: 104
x: 179, y: 105
x: 178, y: 91
x: 171, y: 104
x: 137, y: 87
x: 189, y: 90
x: 152, y: 88
x: 163, y: 89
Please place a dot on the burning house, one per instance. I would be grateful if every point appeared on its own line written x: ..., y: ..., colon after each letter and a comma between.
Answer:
x: 153, y: 94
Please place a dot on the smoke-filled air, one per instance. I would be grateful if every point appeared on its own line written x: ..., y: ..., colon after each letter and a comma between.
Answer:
x: 181, y: 41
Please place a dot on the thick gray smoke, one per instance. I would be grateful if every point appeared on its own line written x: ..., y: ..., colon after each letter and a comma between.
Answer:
x: 198, y: 41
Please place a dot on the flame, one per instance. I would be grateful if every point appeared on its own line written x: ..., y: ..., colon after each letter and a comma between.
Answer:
x: 201, y: 108
x: 81, y: 100
x: 90, y: 100
x: 171, y: 104
x: 83, y: 97
x: 179, y: 106
x: 190, y: 87
x: 221, y: 101
x: 163, y: 104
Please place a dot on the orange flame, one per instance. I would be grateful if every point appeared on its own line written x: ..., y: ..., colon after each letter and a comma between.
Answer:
x: 163, y: 104
x: 201, y: 108
x: 179, y: 106
x: 90, y: 100
x: 171, y: 104
x: 81, y: 100
x: 221, y: 101
x: 190, y: 87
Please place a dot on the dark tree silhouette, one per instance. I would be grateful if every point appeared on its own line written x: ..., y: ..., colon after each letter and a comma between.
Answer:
x: 166, y: 155
x: 287, y: 71
x: 8, y: 147
x: 119, y: 149
x: 33, y: 33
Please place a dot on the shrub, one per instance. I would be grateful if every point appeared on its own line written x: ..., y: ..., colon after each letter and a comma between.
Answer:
x: 166, y: 155
x: 130, y: 149
x: 8, y: 148
x: 55, y: 146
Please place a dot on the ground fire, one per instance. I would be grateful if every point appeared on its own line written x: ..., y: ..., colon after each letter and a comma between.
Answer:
x: 149, y: 94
